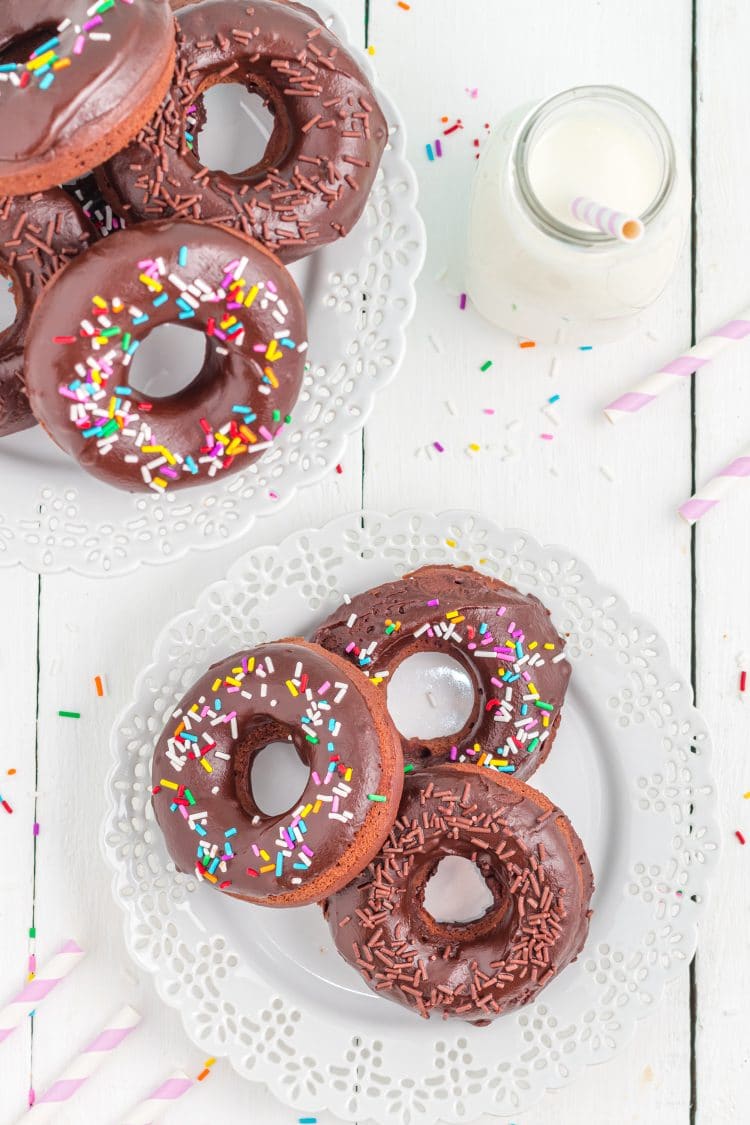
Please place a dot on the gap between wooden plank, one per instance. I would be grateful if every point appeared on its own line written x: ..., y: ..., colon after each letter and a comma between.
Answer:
x: 36, y: 796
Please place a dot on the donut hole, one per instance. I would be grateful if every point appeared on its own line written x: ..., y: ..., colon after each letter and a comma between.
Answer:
x: 457, y: 893
x: 169, y: 360
x: 8, y: 305
x: 239, y: 123
x: 278, y: 778
x: 430, y: 696
x: 21, y: 47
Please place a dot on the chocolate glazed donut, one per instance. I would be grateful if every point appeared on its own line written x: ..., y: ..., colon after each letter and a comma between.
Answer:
x: 78, y: 79
x: 39, y: 234
x: 534, y: 865
x: 505, y: 641
x: 93, y: 317
x: 203, y: 796
x: 313, y: 181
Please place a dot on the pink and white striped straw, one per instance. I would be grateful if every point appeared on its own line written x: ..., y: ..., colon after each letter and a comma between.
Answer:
x: 709, y: 496
x: 78, y: 1072
x: 675, y: 372
x: 32, y: 993
x: 155, y: 1106
x: 628, y: 228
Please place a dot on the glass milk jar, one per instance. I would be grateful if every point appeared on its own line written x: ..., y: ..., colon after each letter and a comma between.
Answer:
x: 535, y: 269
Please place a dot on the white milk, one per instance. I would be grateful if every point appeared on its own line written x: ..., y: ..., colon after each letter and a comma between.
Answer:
x: 541, y: 273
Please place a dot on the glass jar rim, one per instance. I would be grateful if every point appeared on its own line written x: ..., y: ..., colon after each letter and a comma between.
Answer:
x: 543, y: 218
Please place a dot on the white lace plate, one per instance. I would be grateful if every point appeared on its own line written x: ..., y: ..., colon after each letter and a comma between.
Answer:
x: 631, y: 767
x: 359, y: 294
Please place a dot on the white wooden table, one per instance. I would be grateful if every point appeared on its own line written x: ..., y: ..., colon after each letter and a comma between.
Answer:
x: 688, y: 1063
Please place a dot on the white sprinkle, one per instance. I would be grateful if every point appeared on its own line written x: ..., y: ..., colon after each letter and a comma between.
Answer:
x: 607, y: 472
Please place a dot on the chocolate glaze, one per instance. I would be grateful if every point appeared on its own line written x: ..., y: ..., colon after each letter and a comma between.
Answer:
x: 534, y: 864
x: 97, y: 100
x: 313, y: 181
x: 470, y: 623
x: 153, y: 270
x: 201, y: 769
x: 39, y: 234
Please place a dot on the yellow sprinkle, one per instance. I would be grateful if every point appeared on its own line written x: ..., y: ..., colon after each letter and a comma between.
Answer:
x: 474, y: 447
x: 216, y: 684
x: 160, y: 482
x: 348, y: 774
x: 545, y: 721
x: 268, y: 867
x: 549, y: 647
x: 99, y: 302
x: 34, y: 64
x: 271, y: 377
x: 168, y: 784
x: 251, y: 664
x: 306, y: 810
x: 251, y: 296
x: 264, y: 854
x: 154, y: 286
x: 316, y: 806
x: 235, y: 448
x: 746, y: 795
x: 371, y: 50
x: 451, y: 543
x: 207, y: 765
x: 274, y: 352
x: 453, y: 613
x: 533, y: 689
x: 499, y: 762
x: 376, y: 680
x: 232, y: 681
x: 533, y: 645
x: 292, y: 688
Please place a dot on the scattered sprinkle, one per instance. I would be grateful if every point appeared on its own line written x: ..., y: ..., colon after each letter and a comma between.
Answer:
x: 546, y: 437
x: 450, y: 406
x: 743, y: 680
x: 377, y: 797
x: 410, y: 768
x: 607, y: 472
x: 739, y: 836
x: 451, y: 543
x: 430, y: 153
x: 462, y: 301
x: 371, y: 50
x: 339, y: 469
x: 486, y: 365
x: 206, y: 1069
x: 527, y: 343
x: 407, y: 8
x: 69, y: 714
x: 5, y: 804
x: 99, y: 685
x: 553, y: 398
x: 437, y: 445
x: 585, y: 348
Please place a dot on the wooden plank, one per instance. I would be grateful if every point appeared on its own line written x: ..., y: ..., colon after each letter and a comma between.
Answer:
x: 723, y: 597
x: 430, y: 58
x: 18, y: 612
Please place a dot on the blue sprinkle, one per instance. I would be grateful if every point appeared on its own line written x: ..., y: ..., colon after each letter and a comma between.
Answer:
x: 140, y: 319
x: 160, y: 300
x: 43, y: 49
x: 182, y: 257
x: 200, y: 830
x: 46, y: 81
x: 585, y: 348
x: 279, y: 863
x: 302, y: 827
x: 430, y: 153
x: 553, y: 398
x: 120, y: 390
x: 191, y: 465
x: 217, y: 705
x: 230, y: 832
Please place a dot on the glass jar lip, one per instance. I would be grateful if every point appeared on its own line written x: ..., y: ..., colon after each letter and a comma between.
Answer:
x: 543, y: 219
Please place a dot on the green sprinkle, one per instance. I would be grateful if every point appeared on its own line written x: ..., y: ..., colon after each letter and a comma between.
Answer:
x: 543, y: 706
x: 409, y: 768
x: 312, y: 738
x: 69, y: 714
x: 287, y: 418
x: 109, y: 332
x: 377, y: 797
x: 190, y: 797
x: 532, y: 746
x: 32, y: 931
x: 276, y: 415
x: 486, y: 365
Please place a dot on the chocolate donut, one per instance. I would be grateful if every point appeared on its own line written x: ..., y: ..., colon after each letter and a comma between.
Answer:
x: 39, y: 234
x: 313, y: 181
x: 202, y: 788
x: 78, y: 79
x: 94, y: 315
x: 505, y: 641
x: 534, y: 865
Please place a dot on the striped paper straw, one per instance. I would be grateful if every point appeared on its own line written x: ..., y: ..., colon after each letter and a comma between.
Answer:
x: 154, y: 1107
x: 710, y: 495
x: 88, y: 1062
x: 628, y: 228
x: 679, y: 369
x: 37, y: 989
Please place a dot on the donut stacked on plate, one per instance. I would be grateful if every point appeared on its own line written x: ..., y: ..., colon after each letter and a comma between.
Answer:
x: 106, y: 98
x: 379, y: 813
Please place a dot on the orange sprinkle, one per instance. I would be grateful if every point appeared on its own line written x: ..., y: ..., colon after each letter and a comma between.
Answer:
x: 99, y: 686
x: 401, y: 4
x: 11, y: 773
x: 527, y: 344
x: 203, y: 1074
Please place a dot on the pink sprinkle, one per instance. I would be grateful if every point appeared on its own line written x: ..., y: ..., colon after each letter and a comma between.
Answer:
x: 315, y: 777
x: 265, y: 432
x: 546, y: 437
x: 488, y: 410
x: 270, y: 285
x: 501, y: 611
x: 307, y: 851
x: 434, y: 601
x: 274, y: 495
x: 80, y: 43
x: 324, y: 687
x: 259, y: 348
x: 440, y: 448
x: 92, y: 23
x: 462, y: 301
x: 454, y: 753
x: 32, y: 1096
x: 36, y: 829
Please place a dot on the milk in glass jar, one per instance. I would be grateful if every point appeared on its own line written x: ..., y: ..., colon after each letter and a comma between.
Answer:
x: 541, y: 262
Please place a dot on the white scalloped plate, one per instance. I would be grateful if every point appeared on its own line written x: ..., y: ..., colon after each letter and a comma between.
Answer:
x: 360, y: 297
x: 631, y: 767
